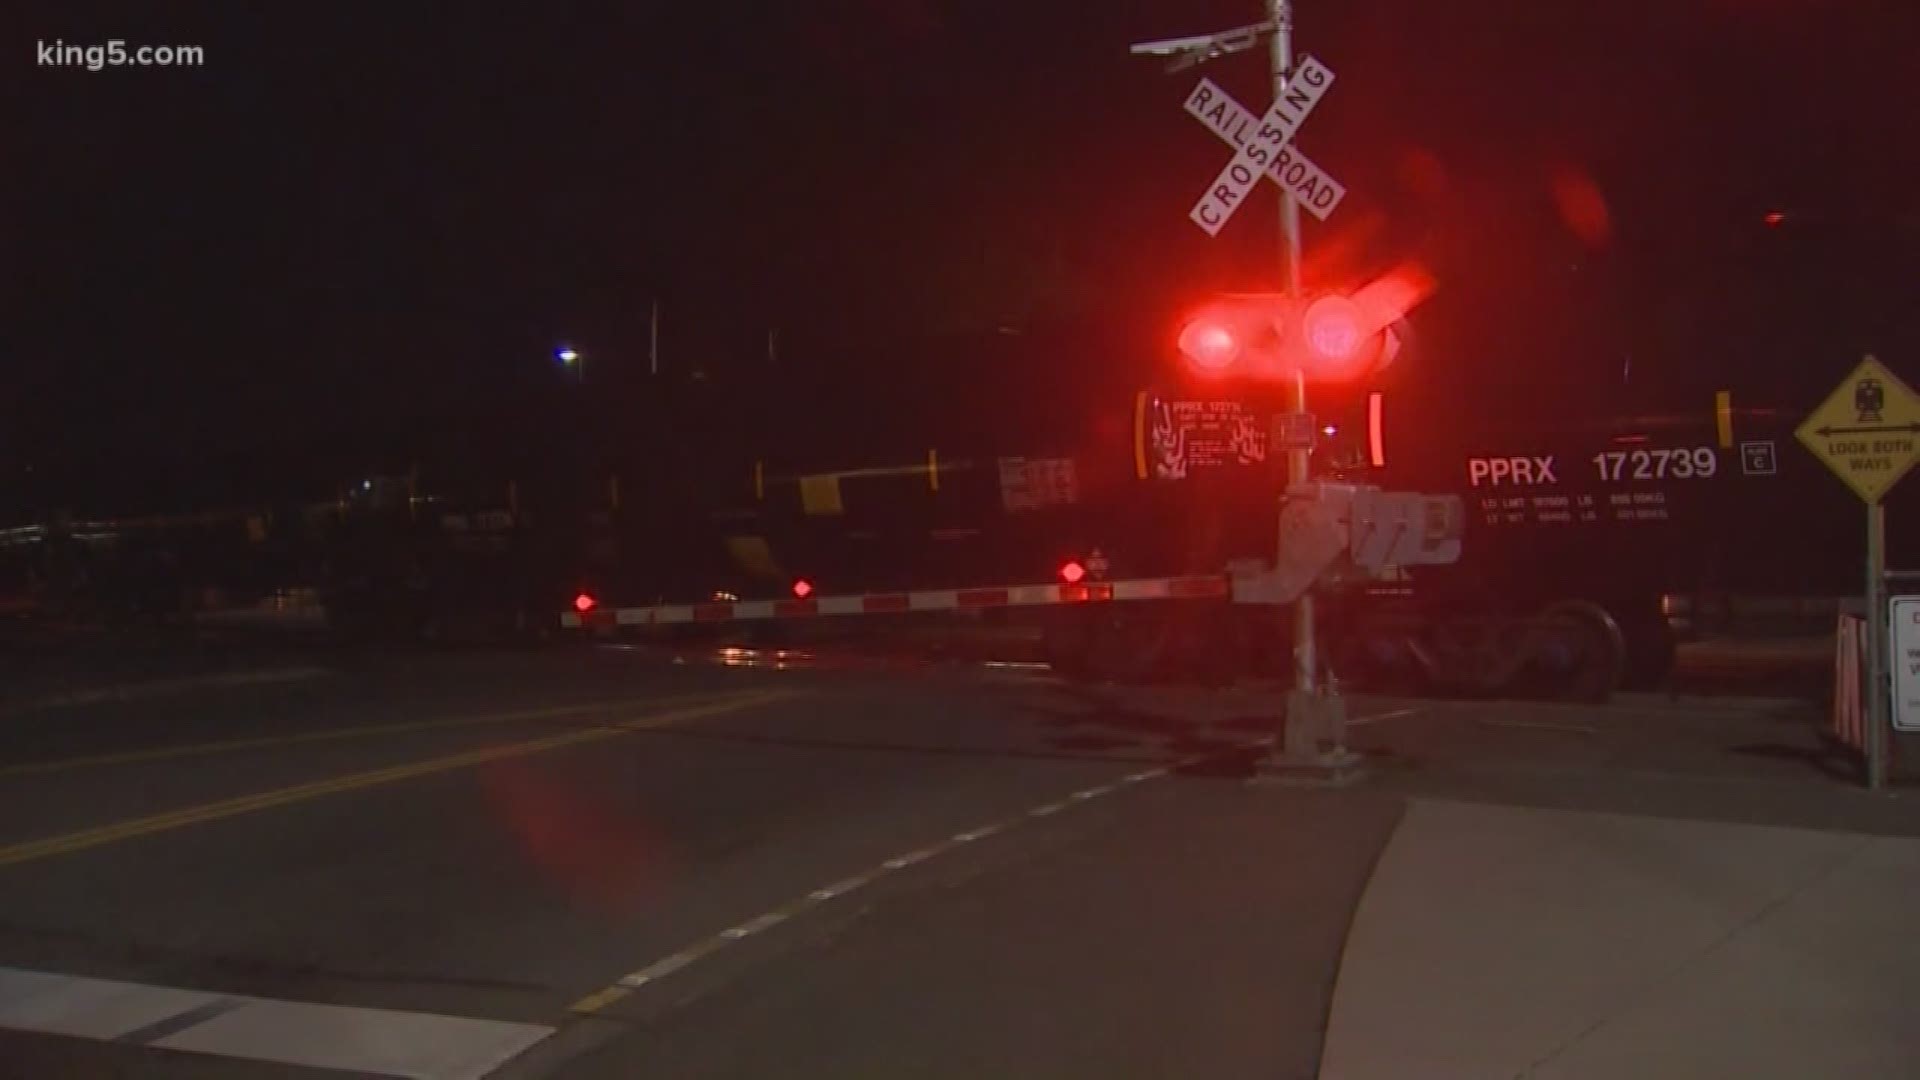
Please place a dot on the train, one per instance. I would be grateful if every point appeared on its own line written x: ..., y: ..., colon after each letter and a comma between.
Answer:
x: 1583, y: 528
x: 1597, y: 530
x: 1586, y: 524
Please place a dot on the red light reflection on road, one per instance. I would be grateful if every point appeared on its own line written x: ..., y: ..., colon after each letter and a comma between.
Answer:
x: 581, y: 842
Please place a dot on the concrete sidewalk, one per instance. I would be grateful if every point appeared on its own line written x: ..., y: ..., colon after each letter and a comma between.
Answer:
x: 1497, y: 942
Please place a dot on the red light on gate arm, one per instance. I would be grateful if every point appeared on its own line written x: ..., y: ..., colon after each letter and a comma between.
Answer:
x: 803, y: 588
x: 1072, y: 572
x: 584, y: 603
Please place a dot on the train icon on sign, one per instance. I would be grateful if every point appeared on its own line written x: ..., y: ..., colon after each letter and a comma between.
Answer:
x: 1869, y: 397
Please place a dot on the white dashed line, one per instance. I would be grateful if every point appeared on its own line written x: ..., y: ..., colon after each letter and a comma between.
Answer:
x: 980, y: 833
x: 662, y: 968
x: 754, y: 926
x: 840, y: 888
x: 901, y: 862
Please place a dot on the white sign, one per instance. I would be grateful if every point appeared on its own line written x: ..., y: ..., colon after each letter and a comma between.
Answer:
x: 1031, y: 483
x: 1904, y: 643
x: 1291, y: 169
x: 1756, y: 459
x: 1262, y: 147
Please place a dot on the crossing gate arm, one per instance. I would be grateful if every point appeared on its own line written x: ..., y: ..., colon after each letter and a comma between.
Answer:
x: 1198, y: 587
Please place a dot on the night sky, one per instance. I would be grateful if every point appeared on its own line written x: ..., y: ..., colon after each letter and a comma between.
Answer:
x: 359, y: 222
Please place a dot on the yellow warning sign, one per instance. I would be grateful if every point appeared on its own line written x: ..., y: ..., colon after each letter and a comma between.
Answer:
x: 1867, y: 431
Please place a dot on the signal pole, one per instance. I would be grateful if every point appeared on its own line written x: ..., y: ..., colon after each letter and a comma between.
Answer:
x: 1877, y: 704
x: 1315, y: 714
x: 653, y: 339
x: 1281, y: 46
x: 1305, y: 660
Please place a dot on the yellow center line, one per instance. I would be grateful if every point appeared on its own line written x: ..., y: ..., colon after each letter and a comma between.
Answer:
x: 247, y: 804
x: 164, y: 753
x: 598, y: 1000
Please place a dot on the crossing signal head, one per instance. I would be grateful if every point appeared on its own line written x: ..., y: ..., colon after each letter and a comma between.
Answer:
x: 1210, y: 344
x: 1331, y: 336
x: 1333, y: 329
x: 1347, y: 336
x: 1235, y: 334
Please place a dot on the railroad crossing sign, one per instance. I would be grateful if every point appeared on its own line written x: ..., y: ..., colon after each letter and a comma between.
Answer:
x: 1263, y: 144
x: 1867, y: 431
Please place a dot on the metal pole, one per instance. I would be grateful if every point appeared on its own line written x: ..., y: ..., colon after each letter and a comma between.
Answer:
x: 1305, y: 662
x: 653, y: 339
x: 1281, y: 12
x: 1877, y: 720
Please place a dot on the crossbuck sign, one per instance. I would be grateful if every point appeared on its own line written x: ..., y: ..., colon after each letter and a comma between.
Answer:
x: 1264, y: 148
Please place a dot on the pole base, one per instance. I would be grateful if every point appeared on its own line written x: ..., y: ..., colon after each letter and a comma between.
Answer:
x: 1336, y: 768
x: 1312, y: 750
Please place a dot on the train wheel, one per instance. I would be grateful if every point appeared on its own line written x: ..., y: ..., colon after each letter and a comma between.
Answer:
x: 1598, y: 655
x: 1379, y: 662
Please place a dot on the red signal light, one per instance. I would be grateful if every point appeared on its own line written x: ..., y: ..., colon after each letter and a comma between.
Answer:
x: 1774, y: 219
x: 1072, y: 572
x: 584, y: 603
x: 803, y: 588
x: 1334, y: 327
x: 1211, y: 346
x: 1332, y: 336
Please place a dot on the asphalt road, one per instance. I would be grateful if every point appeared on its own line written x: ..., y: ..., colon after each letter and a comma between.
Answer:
x: 609, y: 863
